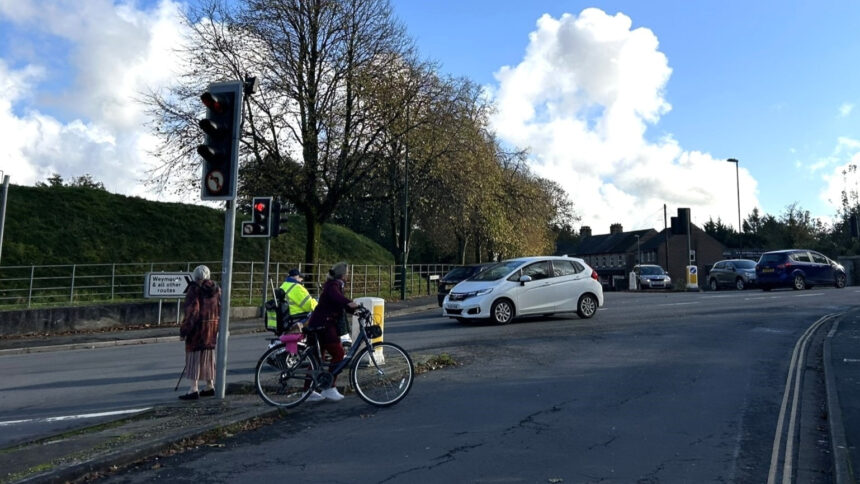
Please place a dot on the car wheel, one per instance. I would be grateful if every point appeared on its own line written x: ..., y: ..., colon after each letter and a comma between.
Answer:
x: 739, y: 284
x: 840, y: 281
x: 713, y: 284
x: 502, y: 311
x: 799, y: 283
x: 587, y: 306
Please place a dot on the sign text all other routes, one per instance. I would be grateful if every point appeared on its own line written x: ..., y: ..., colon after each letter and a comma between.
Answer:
x: 165, y: 285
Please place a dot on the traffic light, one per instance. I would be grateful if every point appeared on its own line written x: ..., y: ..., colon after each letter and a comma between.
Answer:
x: 277, y: 221
x: 220, y: 152
x: 261, y: 218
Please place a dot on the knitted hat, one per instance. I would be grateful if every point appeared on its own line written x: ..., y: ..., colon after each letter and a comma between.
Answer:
x: 295, y: 273
x: 338, y: 271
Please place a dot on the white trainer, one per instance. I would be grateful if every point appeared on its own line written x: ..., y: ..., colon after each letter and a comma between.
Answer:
x: 331, y: 394
x: 315, y: 397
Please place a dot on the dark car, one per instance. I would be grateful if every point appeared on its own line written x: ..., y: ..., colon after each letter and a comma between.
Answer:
x: 456, y: 275
x: 735, y: 273
x: 798, y: 269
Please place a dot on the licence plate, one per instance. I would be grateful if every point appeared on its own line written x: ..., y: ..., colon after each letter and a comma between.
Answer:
x: 767, y: 269
x: 453, y: 306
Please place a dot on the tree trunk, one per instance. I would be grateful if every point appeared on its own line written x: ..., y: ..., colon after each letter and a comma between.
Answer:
x: 314, y: 235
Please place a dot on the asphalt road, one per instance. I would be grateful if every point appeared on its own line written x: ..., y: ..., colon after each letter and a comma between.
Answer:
x: 658, y: 387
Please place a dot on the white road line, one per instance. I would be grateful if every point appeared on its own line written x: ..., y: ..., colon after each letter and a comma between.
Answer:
x: 75, y: 417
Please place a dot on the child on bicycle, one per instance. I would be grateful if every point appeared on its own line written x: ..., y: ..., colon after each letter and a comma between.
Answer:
x: 325, y: 317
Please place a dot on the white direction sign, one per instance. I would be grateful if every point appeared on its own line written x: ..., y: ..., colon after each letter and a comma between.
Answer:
x: 164, y: 285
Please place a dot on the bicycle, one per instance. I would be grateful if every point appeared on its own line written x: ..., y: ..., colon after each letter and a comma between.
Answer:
x: 381, y: 373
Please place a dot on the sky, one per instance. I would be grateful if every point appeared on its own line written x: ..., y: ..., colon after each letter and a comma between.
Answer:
x: 628, y: 105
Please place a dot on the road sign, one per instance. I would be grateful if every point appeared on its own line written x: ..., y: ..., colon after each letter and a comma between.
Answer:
x: 166, y: 285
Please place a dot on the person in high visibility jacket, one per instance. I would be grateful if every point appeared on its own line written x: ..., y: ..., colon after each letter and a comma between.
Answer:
x: 296, y: 295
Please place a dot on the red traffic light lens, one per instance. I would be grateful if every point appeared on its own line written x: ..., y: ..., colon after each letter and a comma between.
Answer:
x: 259, y: 207
x: 212, y: 102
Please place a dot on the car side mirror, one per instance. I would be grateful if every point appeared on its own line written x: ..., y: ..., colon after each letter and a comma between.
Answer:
x: 525, y: 279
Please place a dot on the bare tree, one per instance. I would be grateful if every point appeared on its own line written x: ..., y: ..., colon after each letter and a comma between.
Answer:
x: 314, y: 128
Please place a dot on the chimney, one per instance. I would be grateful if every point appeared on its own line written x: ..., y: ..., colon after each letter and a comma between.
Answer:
x: 585, y: 231
x: 616, y: 229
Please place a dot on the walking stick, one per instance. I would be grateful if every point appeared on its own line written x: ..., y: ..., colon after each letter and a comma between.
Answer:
x: 180, y: 376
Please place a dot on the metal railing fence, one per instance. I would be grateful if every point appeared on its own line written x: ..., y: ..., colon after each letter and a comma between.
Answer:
x: 76, y: 284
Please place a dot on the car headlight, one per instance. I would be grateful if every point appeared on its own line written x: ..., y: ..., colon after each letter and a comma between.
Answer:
x: 479, y: 292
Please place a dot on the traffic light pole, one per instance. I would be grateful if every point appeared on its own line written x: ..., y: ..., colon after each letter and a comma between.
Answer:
x: 266, y: 274
x: 226, y: 276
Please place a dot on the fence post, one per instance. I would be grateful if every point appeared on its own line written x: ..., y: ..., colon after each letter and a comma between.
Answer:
x: 112, y: 280
x: 30, y: 294
x: 251, y: 284
x: 72, y: 291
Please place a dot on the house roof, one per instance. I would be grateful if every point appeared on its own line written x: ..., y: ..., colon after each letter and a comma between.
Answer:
x: 613, y: 243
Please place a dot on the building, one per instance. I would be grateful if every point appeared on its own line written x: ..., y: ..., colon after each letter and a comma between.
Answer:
x: 613, y: 255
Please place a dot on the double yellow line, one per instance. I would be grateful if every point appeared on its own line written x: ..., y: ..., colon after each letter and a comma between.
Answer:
x: 792, y: 389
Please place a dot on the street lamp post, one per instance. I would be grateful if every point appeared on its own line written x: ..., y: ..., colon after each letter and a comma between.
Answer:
x: 740, y: 227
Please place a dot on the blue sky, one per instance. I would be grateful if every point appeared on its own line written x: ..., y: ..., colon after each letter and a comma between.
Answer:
x: 627, y: 104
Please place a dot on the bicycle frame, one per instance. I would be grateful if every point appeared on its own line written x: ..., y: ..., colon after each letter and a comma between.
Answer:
x: 362, y: 341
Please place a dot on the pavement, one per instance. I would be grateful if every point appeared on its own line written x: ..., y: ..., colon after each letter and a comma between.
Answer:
x: 88, y: 452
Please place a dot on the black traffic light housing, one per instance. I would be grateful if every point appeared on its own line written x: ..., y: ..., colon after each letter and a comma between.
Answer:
x: 261, y: 218
x: 220, y: 152
x: 279, y: 225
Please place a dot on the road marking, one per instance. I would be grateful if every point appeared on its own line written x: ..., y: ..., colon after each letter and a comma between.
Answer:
x: 798, y: 357
x: 75, y: 417
x: 850, y: 360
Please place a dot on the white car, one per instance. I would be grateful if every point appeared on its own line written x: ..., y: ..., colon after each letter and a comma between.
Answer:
x: 526, y: 286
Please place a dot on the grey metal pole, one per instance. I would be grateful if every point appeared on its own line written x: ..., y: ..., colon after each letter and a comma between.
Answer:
x: 405, y: 215
x: 226, y: 276
x: 3, y: 210
x: 740, y: 227
x: 266, y: 275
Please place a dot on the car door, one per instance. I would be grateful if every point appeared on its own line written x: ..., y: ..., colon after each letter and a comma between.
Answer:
x: 823, y: 269
x: 571, y: 283
x: 536, y: 296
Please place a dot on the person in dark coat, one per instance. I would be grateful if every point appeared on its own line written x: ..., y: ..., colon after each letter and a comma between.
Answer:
x: 327, y: 315
x: 199, y: 329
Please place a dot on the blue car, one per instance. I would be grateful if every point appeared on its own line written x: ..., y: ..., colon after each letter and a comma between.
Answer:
x: 798, y: 269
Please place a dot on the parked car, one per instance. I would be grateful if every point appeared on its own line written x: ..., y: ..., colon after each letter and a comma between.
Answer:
x: 456, y: 275
x: 651, y: 277
x: 526, y: 286
x: 736, y: 273
x: 799, y: 269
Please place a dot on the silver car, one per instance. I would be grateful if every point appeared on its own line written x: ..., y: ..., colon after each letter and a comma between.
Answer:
x: 652, y: 277
x: 733, y: 273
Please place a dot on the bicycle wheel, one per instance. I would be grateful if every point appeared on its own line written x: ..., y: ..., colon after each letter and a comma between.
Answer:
x: 386, y: 378
x: 280, y: 377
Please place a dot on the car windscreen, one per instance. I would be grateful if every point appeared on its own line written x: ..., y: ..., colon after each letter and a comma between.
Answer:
x: 459, y: 273
x: 744, y: 264
x: 650, y: 270
x: 498, y: 271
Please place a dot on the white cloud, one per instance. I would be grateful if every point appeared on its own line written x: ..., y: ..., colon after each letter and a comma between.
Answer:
x: 95, y: 123
x: 845, y: 109
x: 844, y: 176
x: 582, y: 99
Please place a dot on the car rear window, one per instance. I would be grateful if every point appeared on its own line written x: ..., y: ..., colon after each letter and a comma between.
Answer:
x: 770, y: 259
x: 745, y: 264
x: 459, y: 273
x: 565, y: 268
